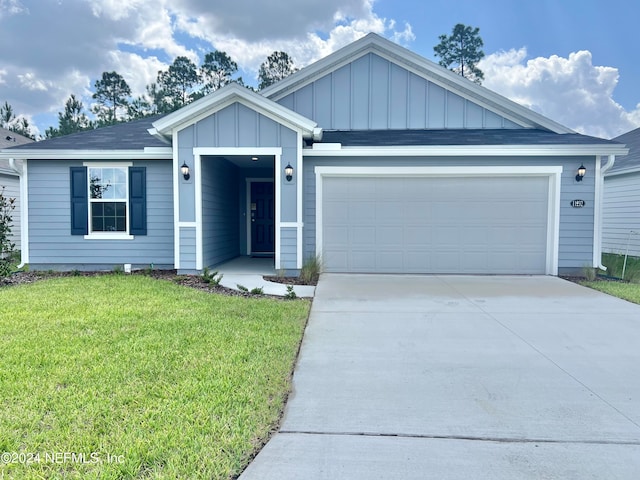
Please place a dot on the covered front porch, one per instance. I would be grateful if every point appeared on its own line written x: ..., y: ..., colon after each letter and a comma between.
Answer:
x: 243, y: 191
x: 238, y: 207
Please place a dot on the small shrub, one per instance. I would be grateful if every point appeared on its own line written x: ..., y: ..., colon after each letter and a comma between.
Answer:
x: 242, y: 288
x: 291, y: 293
x: 281, y: 273
x: 75, y: 273
x: 589, y: 273
x: 212, y: 278
x: 7, y: 205
x: 257, y: 291
x: 118, y: 269
x: 311, y: 269
x: 148, y: 271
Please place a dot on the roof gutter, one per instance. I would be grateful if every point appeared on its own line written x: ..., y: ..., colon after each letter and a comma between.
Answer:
x: 19, y: 171
x: 610, y: 162
x: 13, y: 166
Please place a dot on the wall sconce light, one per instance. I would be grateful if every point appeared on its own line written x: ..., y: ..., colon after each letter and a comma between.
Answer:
x: 185, y: 171
x: 288, y: 172
x: 581, y: 171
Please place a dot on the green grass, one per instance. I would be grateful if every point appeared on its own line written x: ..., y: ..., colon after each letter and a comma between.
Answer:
x: 170, y: 382
x: 615, y: 264
x: 627, y: 291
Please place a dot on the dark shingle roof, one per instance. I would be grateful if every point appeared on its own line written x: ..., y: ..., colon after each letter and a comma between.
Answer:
x: 121, y: 136
x: 630, y: 162
x: 11, y: 139
x: 523, y: 136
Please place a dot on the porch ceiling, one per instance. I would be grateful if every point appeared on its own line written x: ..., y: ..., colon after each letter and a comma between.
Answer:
x: 247, y: 161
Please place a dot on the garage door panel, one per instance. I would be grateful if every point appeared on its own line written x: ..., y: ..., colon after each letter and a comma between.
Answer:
x: 361, y: 212
x: 361, y: 261
x: 338, y: 259
x: 336, y: 211
x: 387, y: 261
x: 417, y: 235
x: 365, y: 236
x: 435, y: 224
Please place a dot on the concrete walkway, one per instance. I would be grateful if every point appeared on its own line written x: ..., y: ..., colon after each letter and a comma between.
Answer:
x: 450, y: 377
x: 249, y: 273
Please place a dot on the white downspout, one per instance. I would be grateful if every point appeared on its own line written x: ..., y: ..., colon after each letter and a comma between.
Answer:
x: 24, y: 216
x: 598, y: 213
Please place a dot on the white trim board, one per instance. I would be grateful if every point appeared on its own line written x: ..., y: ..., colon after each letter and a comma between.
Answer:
x: 336, y: 150
x: 421, y: 66
x: 226, y: 96
x: 553, y: 172
x: 106, y: 155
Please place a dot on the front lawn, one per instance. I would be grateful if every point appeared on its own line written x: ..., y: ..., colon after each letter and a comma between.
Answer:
x: 627, y: 291
x: 122, y: 376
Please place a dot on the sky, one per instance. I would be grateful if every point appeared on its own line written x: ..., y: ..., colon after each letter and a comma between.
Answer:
x: 574, y: 61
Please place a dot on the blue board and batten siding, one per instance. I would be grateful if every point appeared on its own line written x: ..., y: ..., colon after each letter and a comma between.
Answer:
x: 372, y: 93
x: 220, y: 211
x: 224, y: 232
x: 51, y: 244
x: 621, y: 214
x: 576, y: 225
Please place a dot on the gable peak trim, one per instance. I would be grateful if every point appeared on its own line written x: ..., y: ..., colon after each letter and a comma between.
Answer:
x: 421, y: 66
x: 228, y: 95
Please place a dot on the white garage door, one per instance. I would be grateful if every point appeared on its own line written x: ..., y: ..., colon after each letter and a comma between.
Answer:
x: 483, y: 225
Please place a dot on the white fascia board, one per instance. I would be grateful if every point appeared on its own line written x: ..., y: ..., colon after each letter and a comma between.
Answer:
x: 156, y: 153
x: 224, y: 97
x: 467, y: 150
x: 422, y: 67
x: 222, y: 151
x: 462, y: 171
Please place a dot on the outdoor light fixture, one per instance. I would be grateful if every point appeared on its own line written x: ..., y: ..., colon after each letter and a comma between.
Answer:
x: 288, y: 172
x: 185, y: 171
x: 254, y: 159
x: 581, y: 172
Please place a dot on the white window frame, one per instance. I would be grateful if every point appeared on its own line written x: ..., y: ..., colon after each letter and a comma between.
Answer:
x: 108, y: 235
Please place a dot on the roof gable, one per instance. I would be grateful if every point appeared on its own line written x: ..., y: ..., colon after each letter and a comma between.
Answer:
x: 221, y: 99
x: 418, y: 67
x: 629, y: 163
x: 11, y: 139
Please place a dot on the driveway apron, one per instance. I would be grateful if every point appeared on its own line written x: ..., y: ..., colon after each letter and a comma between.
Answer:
x: 461, y: 377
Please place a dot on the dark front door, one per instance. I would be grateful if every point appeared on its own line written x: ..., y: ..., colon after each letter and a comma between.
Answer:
x: 262, y: 223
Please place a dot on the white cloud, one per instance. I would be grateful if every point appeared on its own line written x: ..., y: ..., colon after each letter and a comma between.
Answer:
x: 30, y: 82
x: 11, y: 7
x: 136, y: 70
x: 137, y: 38
x: 572, y: 91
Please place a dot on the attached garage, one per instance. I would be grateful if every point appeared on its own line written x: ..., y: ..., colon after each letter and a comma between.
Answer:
x: 435, y: 220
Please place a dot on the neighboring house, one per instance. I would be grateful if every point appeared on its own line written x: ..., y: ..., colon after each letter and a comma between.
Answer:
x: 621, y: 208
x: 373, y: 157
x: 10, y: 180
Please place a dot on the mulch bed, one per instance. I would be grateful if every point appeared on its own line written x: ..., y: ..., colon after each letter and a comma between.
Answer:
x: 290, y: 280
x: 191, y: 281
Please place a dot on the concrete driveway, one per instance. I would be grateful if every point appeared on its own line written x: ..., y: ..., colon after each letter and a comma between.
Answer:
x: 453, y: 377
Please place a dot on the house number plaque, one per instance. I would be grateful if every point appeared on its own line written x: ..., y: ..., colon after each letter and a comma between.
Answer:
x: 577, y: 203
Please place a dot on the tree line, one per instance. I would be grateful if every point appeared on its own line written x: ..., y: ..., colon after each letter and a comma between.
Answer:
x: 184, y: 82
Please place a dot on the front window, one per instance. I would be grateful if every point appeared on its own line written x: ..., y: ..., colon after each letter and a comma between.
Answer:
x: 108, y: 199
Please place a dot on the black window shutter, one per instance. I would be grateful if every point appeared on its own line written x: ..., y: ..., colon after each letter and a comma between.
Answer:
x: 137, y: 200
x: 79, y: 201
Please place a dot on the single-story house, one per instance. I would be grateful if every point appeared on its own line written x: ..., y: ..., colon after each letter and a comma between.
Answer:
x: 374, y: 158
x: 10, y: 179
x: 621, y: 207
